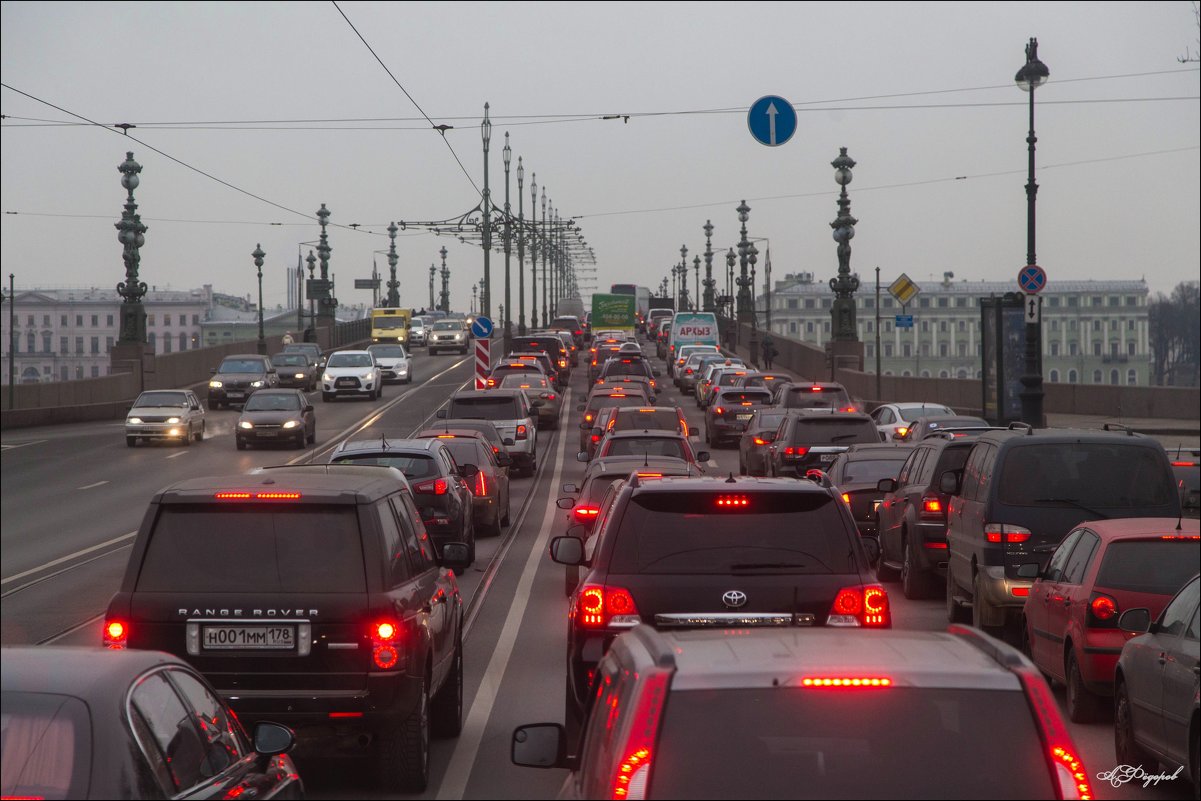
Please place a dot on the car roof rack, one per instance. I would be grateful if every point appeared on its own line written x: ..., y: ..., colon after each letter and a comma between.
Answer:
x: 654, y: 642
x: 1017, y: 425
x: 1118, y: 427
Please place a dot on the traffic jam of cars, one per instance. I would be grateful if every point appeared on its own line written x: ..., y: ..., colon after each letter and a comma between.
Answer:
x: 730, y: 632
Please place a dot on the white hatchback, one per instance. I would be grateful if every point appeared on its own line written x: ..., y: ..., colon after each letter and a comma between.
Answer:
x: 351, y: 372
x: 394, y: 362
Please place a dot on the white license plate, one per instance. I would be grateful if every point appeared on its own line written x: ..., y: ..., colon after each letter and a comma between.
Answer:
x: 828, y: 457
x: 266, y: 433
x: 745, y: 416
x: 235, y: 394
x: 248, y: 638
x: 346, y: 382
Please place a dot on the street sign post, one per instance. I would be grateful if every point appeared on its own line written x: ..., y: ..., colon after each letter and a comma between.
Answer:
x: 1033, y: 306
x: 482, y: 328
x: 1032, y: 279
x: 904, y: 321
x: 317, y: 288
x: 366, y: 283
x: 771, y: 120
x: 483, y: 362
x: 903, y: 289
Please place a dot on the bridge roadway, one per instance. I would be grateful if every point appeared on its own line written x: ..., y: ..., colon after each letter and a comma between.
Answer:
x: 72, y: 496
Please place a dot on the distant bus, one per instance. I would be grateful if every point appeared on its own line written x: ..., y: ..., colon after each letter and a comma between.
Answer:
x: 623, y: 289
x: 641, y: 293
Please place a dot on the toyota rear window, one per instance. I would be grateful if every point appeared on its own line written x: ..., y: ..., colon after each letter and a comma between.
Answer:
x: 485, y: 407
x: 1156, y: 566
x: 716, y: 533
x: 254, y: 548
x: 867, y: 743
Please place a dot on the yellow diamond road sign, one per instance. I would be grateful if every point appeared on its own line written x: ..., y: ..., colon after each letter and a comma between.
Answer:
x: 903, y: 289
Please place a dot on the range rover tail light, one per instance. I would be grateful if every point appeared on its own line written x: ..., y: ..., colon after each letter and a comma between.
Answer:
x: 116, y: 634
x: 385, y: 648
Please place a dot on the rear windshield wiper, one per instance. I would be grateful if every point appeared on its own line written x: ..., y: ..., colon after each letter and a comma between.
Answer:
x: 1073, y: 502
x: 764, y: 565
x: 837, y: 437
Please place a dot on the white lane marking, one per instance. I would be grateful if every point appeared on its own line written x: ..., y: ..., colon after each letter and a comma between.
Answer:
x: 22, y: 445
x: 90, y: 486
x: 467, y: 747
x: 61, y: 559
x: 177, y: 455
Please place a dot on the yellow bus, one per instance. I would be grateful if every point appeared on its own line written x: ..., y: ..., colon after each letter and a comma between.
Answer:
x: 390, y: 325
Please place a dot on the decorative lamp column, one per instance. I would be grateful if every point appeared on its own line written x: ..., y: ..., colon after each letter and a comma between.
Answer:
x: 444, y: 303
x: 545, y: 259
x: 508, y: 324
x: 744, y: 280
x: 258, y: 263
x: 393, y: 285
x: 696, y: 275
x: 730, y: 260
x: 1032, y: 75
x: 131, y: 234
x: 710, y: 282
x: 520, y: 249
x: 534, y: 250
x: 845, y: 284
x: 752, y: 257
x: 433, y: 274
x: 485, y: 298
x: 311, y: 261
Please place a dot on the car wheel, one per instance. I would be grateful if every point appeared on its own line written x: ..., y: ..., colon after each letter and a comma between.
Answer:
x: 326, y: 397
x: 240, y: 444
x: 955, y: 612
x: 301, y: 439
x: 446, y: 710
x: 1125, y: 746
x: 131, y: 441
x: 493, y: 530
x: 914, y: 583
x: 403, y: 761
x: 187, y: 437
x: 978, y: 606
x: 200, y: 435
x: 1083, y: 705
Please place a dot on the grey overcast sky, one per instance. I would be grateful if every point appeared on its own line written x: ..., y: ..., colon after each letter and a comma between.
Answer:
x: 941, y: 145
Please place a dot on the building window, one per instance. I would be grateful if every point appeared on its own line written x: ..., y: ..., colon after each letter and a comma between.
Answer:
x: 63, y: 345
x: 46, y: 319
x: 95, y: 320
x: 943, y: 350
x: 906, y: 374
x: 150, y: 319
x: 1131, y: 346
x: 1073, y: 349
x: 1113, y: 325
x: 1071, y: 325
x: 962, y: 326
x: 166, y: 319
x: 924, y: 303
x: 1114, y: 300
x: 925, y: 348
x: 31, y: 344
x: 1072, y: 376
x: 64, y: 321
x: 183, y: 341
x: 925, y: 373
x: 887, y: 303
x: 1096, y: 348
x: 827, y: 303
x: 96, y: 345
x: 95, y: 371
x: 871, y: 326
x: 1097, y: 300
x: 79, y: 371
x: 79, y: 344
x: 166, y: 343
x: 46, y: 339
x: 962, y: 348
x: 108, y: 344
x: 961, y: 373
x: 925, y: 326
x: 869, y: 303
x: 943, y: 374
x: 151, y: 339
x: 195, y: 319
x: 1113, y: 347
x: 888, y: 326
x: 826, y: 327
x: 1096, y: 376
x: 110, y: 320
x: 1054, y: 325
x: 1073, y: 301
x: 79, y: 321
x: 29, y: 320
x: 1131, y: 300
x: 63, y: 374
x: 1131, y: 377
x: 809, y: 303
x: 1053, y: 301
x: 1054, y: 376
x: 961, y: 303
x: 907, y: 350
x: 1096, y: 325
x: 792, y: 327
x: 808, y: 328
x: 869, y: 350
x: 1054, y: 348
x: 944, y: 326
x: 942, y: 302
x: 1113, y: 377
x: 792, y: 303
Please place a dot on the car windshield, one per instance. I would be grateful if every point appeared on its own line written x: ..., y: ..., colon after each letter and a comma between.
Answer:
x: 466, y: 451
x: 793, y: 742
x: 388, y: 323
x: 448, y: 325
x: 869, y: 471
x: 47, y: 746
x: 651, y: 446
x: 911, y: 413
x: 1095, y: 475
x: 350, y: 360
x: 1158, y: 566
x: 272, y: 402
x: 485, y: 407
x: 161, y: 399
x: 415, y: 466
x: 242, y: 366
x: 290, y: 360
x: 387, y: 351
x: 695, y: 532
x: 819, y: 430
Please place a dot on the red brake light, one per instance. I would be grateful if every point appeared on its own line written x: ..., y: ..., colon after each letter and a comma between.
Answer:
x: 931, y: 504
x: 522, y: 432
x: 562, y: 362
x: 846, y: 681
x: 1005, y: 532
x: 1066, y: 767
x: 1184, y: 464
x: 481, y: 484
x: 385, y: 652
x: 385, y: 631
x: 257, y: 496
x: 796, y: 451
x: 578, y: 333
x: 116, y: 635
x: 864, y: 605
x: 632, y: 775
x: 1103, y: 607
x: 815, y: 389
x: 1019, y: 592
x: 586, y: 513
x: 598, y: 607
x: 435, y: 486
x: 727, y: 501
x: 1181, y: 537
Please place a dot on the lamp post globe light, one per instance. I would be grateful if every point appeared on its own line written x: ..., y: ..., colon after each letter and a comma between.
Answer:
x: 485, y: 299
x: 683, y: 268
x: 258, y: 255
x: 131, y: 234
x: 1032, y: 75
x: 743, y: 280
x: 710, y: 283
x: 433, y: 273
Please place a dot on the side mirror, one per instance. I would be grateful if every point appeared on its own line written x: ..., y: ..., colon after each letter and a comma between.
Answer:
x: 872, y: 546
x: 887, y: 485
x: 440, y: 414
x: 542, y: 745
x: 307, y: 408
x: 508, y: 441
x: 503, y: 459
x: 468, y: 470
x: 570, y: 488
x: 565, y: 503
x: 582, y: 456
x: 272, y: 739
x: 948, y: 483
x: 580, y: 408
x: 1029, y: 570
x: 456, y: 556
x: 567, y: 550
x: 1135, y: 621
x: 212, y: 371
x: 703, y: 456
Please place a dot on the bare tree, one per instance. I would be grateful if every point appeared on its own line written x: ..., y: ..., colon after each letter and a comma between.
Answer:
x: 1196, y: 55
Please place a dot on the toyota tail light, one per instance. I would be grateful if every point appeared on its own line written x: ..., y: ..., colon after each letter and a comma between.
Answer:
x: 598, y: 606
x: 116, y: 634
x: 435, y: 486
x: 1063, y: 758
x: 631, y: 777
x: 385, y: 645
x: 865, y: 605
x: 1005, y: 533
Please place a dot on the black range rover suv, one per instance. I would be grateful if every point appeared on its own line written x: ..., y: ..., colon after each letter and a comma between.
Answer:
x: 307, y: 595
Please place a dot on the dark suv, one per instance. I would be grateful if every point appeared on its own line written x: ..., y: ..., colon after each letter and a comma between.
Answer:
x: 811, y: 440
x: 708, y: 552
x: 307, y: 595
x: 549, y: 344
x: 239, y: 377
x: 1022, y: 491
x: 817, y: 395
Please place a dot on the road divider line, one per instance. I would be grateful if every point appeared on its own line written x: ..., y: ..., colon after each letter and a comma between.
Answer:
x: 458, y: 772
x: 22, y: 445
x: 92, y: 486
x: 177, y: 455
x: 68, y: 557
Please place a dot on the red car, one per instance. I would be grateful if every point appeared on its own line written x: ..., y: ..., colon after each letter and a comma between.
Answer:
x: 1102, y: 568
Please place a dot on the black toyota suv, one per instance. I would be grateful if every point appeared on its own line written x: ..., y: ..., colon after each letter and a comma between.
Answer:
x: 307, y: 595
x: 812, y: 439
x: 710, y: 552
x: 1019, y: 494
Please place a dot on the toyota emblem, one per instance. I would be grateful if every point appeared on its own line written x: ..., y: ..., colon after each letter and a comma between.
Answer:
x: 734, y: 599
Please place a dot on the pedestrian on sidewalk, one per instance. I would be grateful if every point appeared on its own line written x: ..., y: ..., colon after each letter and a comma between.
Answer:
x: 287, y: 338
x: 769, y: 351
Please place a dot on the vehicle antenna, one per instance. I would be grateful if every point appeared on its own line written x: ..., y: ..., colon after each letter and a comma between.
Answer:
x: 731, y: 480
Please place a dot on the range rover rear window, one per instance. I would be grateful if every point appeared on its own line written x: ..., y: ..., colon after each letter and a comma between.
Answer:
x: 257, y: 548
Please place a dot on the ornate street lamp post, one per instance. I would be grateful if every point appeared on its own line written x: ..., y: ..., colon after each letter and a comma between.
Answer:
x: 433, y: 273
x: 258, y: 263
x: 131, y: 234
x: 328, y: 303
x: 545, y: 260
x: 486, y: 299
x: 393, y: 284
x: 311, y: 262
x: 534, y: 250
x: 744, y: 280
x: 683, y: 268
x: 508, y: 310
x: 730, y: 260
x: 520, y: 250
x: 696, y: 274
x: 474, y: 292
x: 1032, y: 75
x: 444, y: 305
x: 845, y: 284
x: 752, y: 257
x: 710, y: 282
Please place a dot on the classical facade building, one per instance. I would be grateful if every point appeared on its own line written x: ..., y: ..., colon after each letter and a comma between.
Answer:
x: 1094, y: 332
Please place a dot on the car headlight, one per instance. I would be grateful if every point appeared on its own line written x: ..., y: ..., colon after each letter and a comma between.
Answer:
x: 137, y: 421
x: 172, y: 420
x: 367, y: 375
x: 257, y: 383
x: 245, y: 424
x: 327, y: 377
x: 459, y: 336
x: 216, y: 384
x: 299, y: 375
x: 291, y: 423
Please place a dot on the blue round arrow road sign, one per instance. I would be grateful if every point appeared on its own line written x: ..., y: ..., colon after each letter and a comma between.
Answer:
x: 1032, y: 279
x: 482, y: 327
x: 772, y: 120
